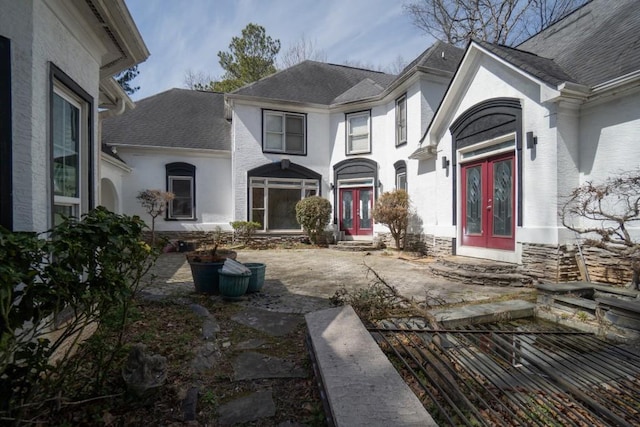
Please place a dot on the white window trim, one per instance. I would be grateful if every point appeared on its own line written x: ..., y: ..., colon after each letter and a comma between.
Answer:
x: 398, y: 175
x: 170, y: 214
x: 288, y: 183
x: 76, y: 203
x: 283, y: 116
x: 350, y: 116
x: 400, y: 141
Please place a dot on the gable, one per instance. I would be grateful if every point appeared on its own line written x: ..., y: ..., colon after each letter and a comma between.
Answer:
x: 483, y: 75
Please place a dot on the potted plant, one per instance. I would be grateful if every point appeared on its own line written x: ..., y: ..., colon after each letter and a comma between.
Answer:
x: 205, y: 265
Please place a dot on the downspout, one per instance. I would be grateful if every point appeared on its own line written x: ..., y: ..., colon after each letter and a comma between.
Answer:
x: 121, y: 105
x: 119, y: 108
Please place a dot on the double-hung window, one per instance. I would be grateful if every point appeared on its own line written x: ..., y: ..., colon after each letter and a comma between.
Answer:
x: 359, y: 132
x: 181, y: 182
x: 284, y: 132
x: 70, y: 159
x: 401, y: 120
x: 401, y: 175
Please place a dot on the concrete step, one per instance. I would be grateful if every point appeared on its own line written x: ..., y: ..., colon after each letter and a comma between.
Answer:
x: 484, y: 313
x: 356, y: 246
x: 361, y: 385
x: 579, y: 289
x: 581, y: 304
x: 480, y: 275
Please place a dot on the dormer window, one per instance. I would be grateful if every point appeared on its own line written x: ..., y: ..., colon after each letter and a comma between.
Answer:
x: 284, y: 132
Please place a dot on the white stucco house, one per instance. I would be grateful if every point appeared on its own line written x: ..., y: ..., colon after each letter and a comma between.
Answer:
x: 179, y: 141
x: 486, y: 140
x: 519, y: 128
x: 313, y: 129
x: 57, y: 62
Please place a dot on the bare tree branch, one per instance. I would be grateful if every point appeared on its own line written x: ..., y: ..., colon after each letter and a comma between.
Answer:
x: 300, y: 51
x: 605, y: 212
x: 497, y: 21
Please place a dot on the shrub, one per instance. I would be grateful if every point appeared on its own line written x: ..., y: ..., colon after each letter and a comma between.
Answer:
x: 245, y: 229
x: 63, y: 281
x: 155, y: 203
x: 313, y: 214
x: 392, y: 210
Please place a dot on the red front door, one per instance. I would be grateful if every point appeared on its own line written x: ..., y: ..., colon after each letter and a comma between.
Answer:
x: 488, y: 199
x: 355, y: 211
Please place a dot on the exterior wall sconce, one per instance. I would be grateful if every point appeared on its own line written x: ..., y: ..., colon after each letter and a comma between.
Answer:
x: 332, y: 186
x: 445, y: 162
x: 531, y: 140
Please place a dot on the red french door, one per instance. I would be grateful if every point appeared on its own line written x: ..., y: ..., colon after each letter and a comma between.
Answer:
x: 488, y: 202
x: 355, y: 211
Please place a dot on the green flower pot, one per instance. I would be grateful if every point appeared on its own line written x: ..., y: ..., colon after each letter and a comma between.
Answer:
x: 257, y: 275
x: 233, y: 286
x: 205, y: 276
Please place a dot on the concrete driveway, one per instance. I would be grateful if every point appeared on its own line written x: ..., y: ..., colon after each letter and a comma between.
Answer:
x: 303, y: 280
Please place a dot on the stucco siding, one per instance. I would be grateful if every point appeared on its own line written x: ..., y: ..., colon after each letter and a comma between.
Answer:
x: 248, y: 154
x: 609, y: 136
x: 212, y: 183
x: 38, y: 38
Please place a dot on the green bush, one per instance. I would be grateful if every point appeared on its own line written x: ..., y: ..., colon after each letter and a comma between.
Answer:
x: 313, y: 214
x: 245, y: 229
x: 392, y: 210
x: 63, y: 281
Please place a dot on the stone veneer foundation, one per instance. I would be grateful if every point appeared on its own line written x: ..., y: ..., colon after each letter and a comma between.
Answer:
x: 547, y: 262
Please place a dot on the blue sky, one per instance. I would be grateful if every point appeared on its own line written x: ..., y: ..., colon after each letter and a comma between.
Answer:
x: 187, y: 34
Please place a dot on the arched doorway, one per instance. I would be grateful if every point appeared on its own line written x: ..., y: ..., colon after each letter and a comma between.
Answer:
x: 355, y: 181
x: 109, y: 195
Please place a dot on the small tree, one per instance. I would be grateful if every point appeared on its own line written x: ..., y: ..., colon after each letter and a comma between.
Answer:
x: 155, y: 203
x: 606, y: 211
x: 313, y: 214
x: 392, y: 210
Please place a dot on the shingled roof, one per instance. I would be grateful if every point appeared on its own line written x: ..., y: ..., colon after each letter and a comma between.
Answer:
x: 597, y: 43
x: 543, y: 68
x: 313, y: 82
x: 177, y: 118
x: 440, y: 56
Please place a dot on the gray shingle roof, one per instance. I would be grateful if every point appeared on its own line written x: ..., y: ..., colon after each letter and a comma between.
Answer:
x: 543, y: 68
x: 440, y: 55
x: 178, y: 118
x: 597, y: 43
x: 313, y: 82
x: 365, y: 89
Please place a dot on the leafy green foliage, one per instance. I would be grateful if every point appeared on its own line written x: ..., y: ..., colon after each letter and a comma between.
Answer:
x: 392, y: 210
x: 245, y: 229
x: 54, y: 288
x: 250, y: 58
x: 125, y: 78
x: 313, y: 214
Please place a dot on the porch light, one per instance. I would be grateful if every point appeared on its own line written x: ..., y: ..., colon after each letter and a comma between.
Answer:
x: 531, y: 140
x: 445, y: 162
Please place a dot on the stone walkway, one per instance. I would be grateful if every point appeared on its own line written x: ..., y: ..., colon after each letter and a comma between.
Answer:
x: 297, y: 282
